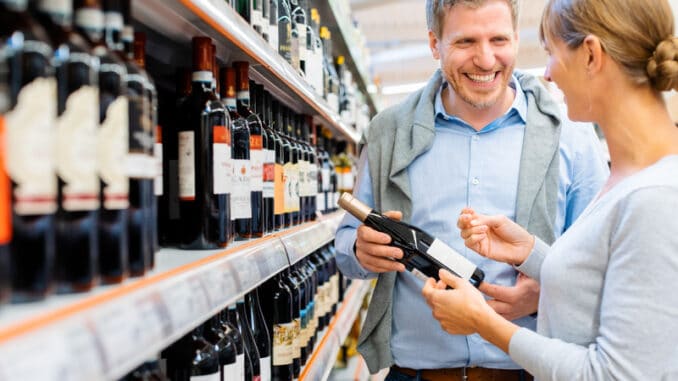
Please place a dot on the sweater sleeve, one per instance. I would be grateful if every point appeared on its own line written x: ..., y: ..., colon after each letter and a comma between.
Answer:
x: 532, y: 265
x: 637, y: 332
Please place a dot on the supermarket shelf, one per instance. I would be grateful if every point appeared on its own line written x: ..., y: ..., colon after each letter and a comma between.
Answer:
x: 179, y: 20
x: 320, y: 365
x: 340, y: 26
x: 355, y: 370
x: 105, y: 333
x: 317, y: 236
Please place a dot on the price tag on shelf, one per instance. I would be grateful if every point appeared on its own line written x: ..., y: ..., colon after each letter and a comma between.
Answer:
x: 185, y: 300
x: 220, y: 285
x: 84, y: 352
x: 37, y: 356
x: 246, y: 272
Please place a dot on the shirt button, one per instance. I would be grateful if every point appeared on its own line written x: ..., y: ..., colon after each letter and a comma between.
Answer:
x: 475, y: 181
x: 476, y: 138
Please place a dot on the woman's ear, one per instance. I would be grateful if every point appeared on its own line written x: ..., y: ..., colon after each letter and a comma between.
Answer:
x: 593, y: 51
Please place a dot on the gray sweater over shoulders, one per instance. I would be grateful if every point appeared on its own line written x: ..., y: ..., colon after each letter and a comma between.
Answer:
x: 608, y: 308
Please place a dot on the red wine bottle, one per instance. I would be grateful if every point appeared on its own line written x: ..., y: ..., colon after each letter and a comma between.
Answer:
x: 424, y: 255
x: 260, y: 333
x: 30, y: 122
x: 278, y: 315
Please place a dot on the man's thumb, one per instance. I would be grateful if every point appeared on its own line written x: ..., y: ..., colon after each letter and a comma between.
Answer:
x: 449, y: 278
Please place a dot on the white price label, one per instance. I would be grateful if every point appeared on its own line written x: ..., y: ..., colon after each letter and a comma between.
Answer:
x: 82, y: 348
x: 37, y: 357
x: 184, y: 301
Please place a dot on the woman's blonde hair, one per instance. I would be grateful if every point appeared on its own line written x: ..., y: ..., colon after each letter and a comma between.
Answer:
x: 637, y: 34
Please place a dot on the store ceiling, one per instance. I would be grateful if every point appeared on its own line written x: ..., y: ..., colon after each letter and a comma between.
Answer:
x: 397, y: 38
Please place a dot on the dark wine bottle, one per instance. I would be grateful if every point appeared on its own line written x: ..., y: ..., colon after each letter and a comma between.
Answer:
x: 424, y: 255
x: 223, y: 346
x: 75, y: 144
x: 155, y: 157
x: 112, y: 144
x: 203, y: 143
x: 139, y: 162
x: 278, y: 315
x: 278, y: 170
x: 267, y: 134
x: 256, y: 155
x: 192, y: 358
x: 285, y: 30
x: 260, y: 333
x: 231, y: 331
x: 237, y: 318
x: 295, y: 288
x: 30, y: 121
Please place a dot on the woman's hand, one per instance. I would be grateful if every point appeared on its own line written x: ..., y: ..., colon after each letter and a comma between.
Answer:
x: 458, y: 310
x: 495, y: 237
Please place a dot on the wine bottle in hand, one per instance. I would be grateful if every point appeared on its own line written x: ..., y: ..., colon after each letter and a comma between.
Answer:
x: 423, y: 255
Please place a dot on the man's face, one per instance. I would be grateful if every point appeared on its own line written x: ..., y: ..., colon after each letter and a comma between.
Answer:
x: 477, y: 51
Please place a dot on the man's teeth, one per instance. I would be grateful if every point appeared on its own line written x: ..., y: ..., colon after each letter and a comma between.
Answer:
x: 481, y: 78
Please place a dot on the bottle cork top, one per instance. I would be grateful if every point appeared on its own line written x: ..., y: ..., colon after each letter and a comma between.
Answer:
x: 140, y: 49
x: 242, y: 69
x: 202, y: 54
x: 354, y: 206
x: 227, y: 82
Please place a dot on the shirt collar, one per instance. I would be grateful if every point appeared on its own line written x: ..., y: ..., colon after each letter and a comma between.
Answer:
x: 518, y: 106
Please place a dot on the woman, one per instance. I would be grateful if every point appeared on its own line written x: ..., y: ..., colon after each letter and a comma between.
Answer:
x: 608, y: 308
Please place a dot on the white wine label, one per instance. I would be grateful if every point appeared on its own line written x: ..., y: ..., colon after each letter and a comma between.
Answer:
x: 90, y: 18
x: 313, y: 179
x: 230, y: 371
x: 283, y: 342
x: 139, y: 165
x: 76, y: 145
x: 30, y: 153
x: 334, y: 281
x: 112, y: 152
x: 320, y: 201
x: 296, y: 343
x: 452, y: 259
x: 241, y: 204
x: 273, y: 36
x: 59, y: 7
x: 325, y: 179
x: 202, y: 76
x: 187, y: 166
x: 207, y: 377
x: 257, y: 172
x: 303, y: 55
x: 240, y: 366
x: 265, y: 367
x: 221, y: 161
x: 113, y: 20
x: 294, y: 188
x: 157, y: 156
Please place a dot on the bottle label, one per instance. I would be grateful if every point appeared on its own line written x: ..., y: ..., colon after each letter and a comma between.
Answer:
x: 301, y: 170
x: 221, y: 165
x: 241, y: 204
x: 257, y: 163
x: 279, y: 190
x: 113, y: 20
x: 325, y: 179
x: 90, y: 19
x: 452, y: 259
x: 5, y: 198
x: 313, y: 179
x: 76, y: 150
x: 157, y: 156
x: 273, y: 36
x: 320, y: 202
x: 347, y: 179
x: 231, y: 371
x: 30, y: 153
x: 111, y: 154
x: 265, y: 367
x: 296, y: 343
x: 207, y: 377
x: 187, y: 165
x: 141, y: 140
x: 240, y: 366
x: 295, y: 188
x: 269, y: 174
x: 334, y: 281
x: 283, y: 341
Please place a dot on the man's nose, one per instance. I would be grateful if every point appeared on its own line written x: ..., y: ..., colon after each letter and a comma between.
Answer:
x: 485, y: 57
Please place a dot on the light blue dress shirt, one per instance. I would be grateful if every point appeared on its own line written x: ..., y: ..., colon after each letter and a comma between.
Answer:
x: 482, y: 172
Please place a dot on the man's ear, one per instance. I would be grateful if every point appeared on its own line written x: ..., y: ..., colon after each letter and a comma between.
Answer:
x: 433, y: 44
x: 593, y: 51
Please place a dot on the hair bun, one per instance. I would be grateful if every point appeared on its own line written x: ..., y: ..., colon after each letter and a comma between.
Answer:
x: 662, y: 67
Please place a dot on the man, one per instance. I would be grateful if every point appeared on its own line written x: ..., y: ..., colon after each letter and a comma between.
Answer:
x: 477, y: 135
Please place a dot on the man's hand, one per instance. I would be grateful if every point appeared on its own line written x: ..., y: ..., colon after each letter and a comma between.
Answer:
x: 373, y: 252
x: 516, y: 301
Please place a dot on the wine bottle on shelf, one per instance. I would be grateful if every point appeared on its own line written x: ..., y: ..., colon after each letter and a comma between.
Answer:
x: 75, y: 141
x: 204, y: 147
x: 285, y: 30
x: 237, y: 316
x: 278, y: 170
x: 291, y: 172
x: 323, y: 289
x: 334, y: 179
x: 272, y: 24
x: 5, y: 187
x: 241, y: 195
x: 111, y: 145
x: 256, y: 154
x: 155, y: 164
x: 268, y: 193
x: 231, y: 331
x: 223, y: 346
x: 192, y: 358
x: 301, y: 169
x: 323, y: 172
x: 30, y: 121
x: 312, y: 174
x: 139, y: 160
x: 279, y: 317
x: 260, y: 333
x: 424, y: 254
x: 295, y: 288
x: 334, y: 279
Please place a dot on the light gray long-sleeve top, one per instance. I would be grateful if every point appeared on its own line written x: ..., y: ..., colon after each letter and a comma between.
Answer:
x: 609, y: 287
